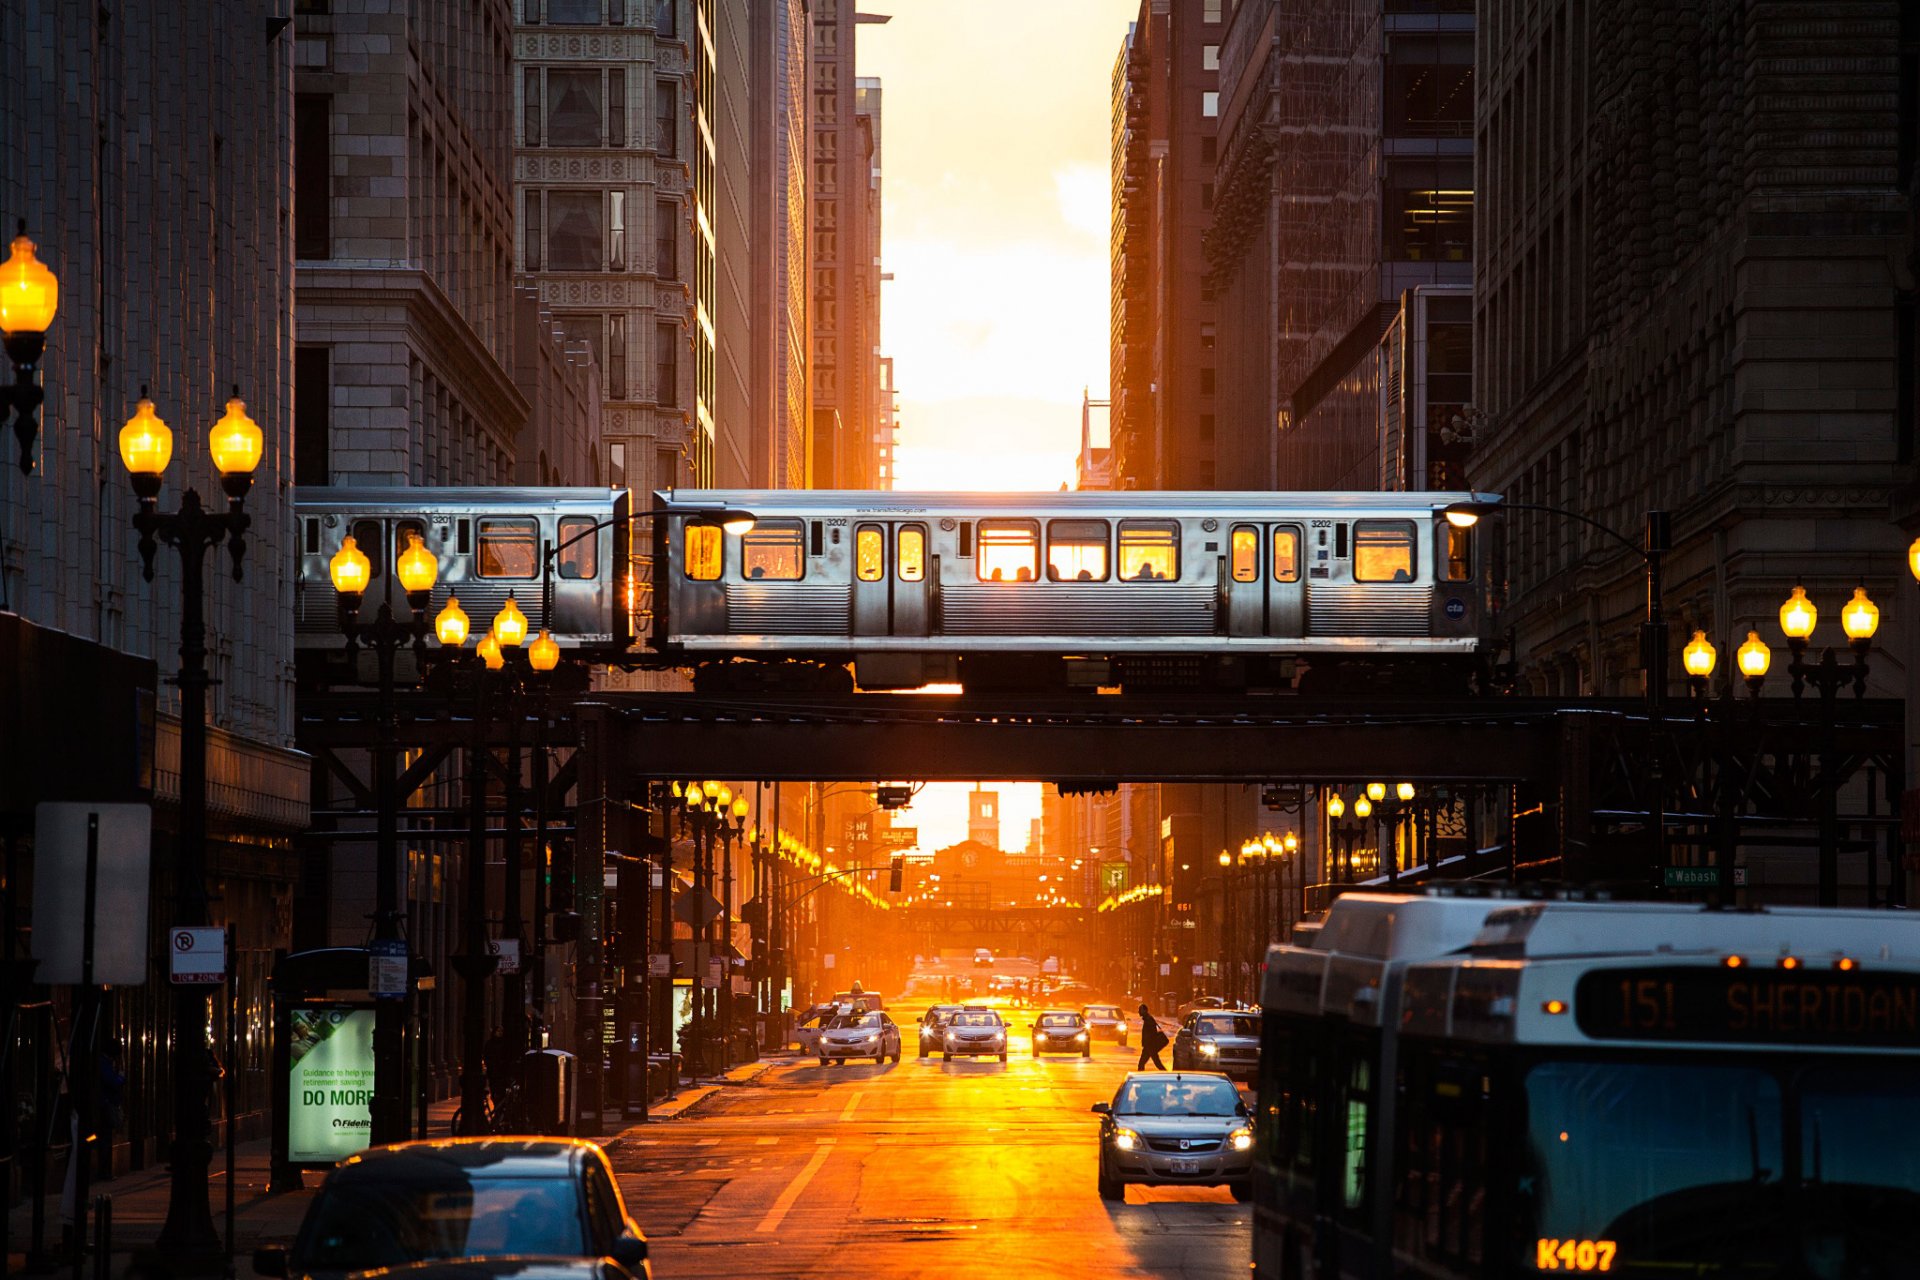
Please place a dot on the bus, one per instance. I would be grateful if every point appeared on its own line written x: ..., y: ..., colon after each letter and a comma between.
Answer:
x: 1597, y: 1088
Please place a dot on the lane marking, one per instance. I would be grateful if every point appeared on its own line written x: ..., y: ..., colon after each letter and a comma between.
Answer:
x: 852, y: 1102
x: 764, y: 1142
x: 778, y: 1212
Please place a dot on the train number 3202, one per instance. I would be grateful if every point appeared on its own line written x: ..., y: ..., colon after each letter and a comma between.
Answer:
x: 1573, y: 1255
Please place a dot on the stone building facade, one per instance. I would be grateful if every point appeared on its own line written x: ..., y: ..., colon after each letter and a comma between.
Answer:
x: 167, y: 232
x: 1345, y: 180
x: 780, y: 101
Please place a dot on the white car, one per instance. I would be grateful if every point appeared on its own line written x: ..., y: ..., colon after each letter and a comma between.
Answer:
x: 859, y: 1035
x: 1106, y: 1022
x: 975, y: 1033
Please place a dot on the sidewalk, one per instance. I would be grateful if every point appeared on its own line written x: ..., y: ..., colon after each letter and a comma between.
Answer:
x: 689, y: 1096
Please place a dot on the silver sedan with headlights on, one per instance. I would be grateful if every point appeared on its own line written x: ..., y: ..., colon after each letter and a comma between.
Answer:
x: 1224, y: 1041
x: 860, y: 1035
x: 974, y: 1033
x: 1061, y: 1032
x: 933, y: 1026
x: 1175, y: 1129
x: 1106, y: 1022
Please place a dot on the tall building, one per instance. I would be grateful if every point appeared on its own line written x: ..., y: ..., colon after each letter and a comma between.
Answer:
x: 1166, y: 106
x: 1345, y: 180
x: 167, y: 231
x: 983, y: 817
x: 780, y: 103
x: 1683, y: 301
x: 846, y: 267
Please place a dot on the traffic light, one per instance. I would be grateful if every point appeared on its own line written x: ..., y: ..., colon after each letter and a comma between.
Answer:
x: 893, y: 797
x: 896, y: 873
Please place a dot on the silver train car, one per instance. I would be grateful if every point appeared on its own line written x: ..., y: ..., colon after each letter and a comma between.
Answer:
x: 1133, y: 588
x: 489, y: 543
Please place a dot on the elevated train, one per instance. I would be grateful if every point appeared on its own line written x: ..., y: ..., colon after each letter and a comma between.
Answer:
x: 1133, y: 589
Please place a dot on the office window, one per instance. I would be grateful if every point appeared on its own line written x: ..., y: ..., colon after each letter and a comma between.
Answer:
x: 1206, y: 195
x: 530, y: 12
x: 1009, y: 551
x: 1208, y: 379
x: 1206, y: 426
x: 574, y: 13
x: 312, y: 414
x: 576, y: 240
x: 1149, y: 550
x: 617, y: 107
x: 1207, y: 334
x: 666, y: 468
x: 536, y: 238
x: 1077, y: 550
x: 574, y: 119
x: 617, y: 465
x: 313, y: 176
x: 1210, y: 10
x: 617, y: 230
x: 1429, y: 85
x: 1428, y: 208
x: 1209, y: 57
x: 774, y: 550
x: 1383, y: 551
x: 666, y: 119
x: 1209, y: 148
x: 1210, y: 104
x: 665, y: 20
x: 617, y: 356
x: 616, y: 13
x: 666, y: 240
x: 666, y: 367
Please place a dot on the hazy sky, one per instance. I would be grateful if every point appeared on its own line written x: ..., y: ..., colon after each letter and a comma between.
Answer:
x: 995, y: 211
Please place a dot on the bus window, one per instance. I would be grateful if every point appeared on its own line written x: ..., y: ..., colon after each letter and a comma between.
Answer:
x: 911, y: 558
x: 509, y: 549
x: 703, y: 551
x: 1009, y: 551
x: 1286, y: 554
x: 579, y: 549
x: 1077, y: 550
x: 1244, y: 553
x: 1359, y: 1110
x: 773, y: 550
x: 869, y: 553
x: 1149, y: 550
x: 1383, y: 551
x: 1456, y: 553
x: 1440, y: 1181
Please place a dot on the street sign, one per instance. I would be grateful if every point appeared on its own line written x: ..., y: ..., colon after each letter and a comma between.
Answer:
x: 1701, y: 877
x: 859, y: 830
x: 660, y: 965
x: 198, y: 954
x: 697, y: 907
x: 387, y: 968
x: 826, y: 961
x: 899, y: 838
x: 1113, y: 877
x: 90, y: 893
x: 508, y: 949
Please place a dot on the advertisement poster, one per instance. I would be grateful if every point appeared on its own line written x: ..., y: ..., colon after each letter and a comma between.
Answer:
x: 328, y: 1112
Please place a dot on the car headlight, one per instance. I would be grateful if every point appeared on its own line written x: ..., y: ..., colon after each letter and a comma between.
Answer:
x: 1242, y: 1139
x: 1080, y: 1036
x: 1209, y: 1050
x: 1125, y: 1139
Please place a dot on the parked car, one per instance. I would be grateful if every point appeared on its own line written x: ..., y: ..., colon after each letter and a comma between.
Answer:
x: 860, y: 1035
x: 974, y: 1033
x: 1219, y: 1041
x: 933, y: 1026
x: 456, y: 1198
x: 1175, y: 1129
x: 1106, y: 1022
x: 1061, y: 1031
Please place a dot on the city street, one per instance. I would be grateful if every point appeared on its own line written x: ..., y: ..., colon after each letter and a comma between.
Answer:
x: 921, y: 1169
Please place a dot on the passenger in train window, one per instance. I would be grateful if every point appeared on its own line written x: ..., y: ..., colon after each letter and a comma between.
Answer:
x: 1149, y: 550
x: 1077, y: 550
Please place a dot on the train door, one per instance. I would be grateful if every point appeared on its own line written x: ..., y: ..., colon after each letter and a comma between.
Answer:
x: 872, y: 611
x: 910, y: 580
x: 890, y: 580
x: 1263, y: 587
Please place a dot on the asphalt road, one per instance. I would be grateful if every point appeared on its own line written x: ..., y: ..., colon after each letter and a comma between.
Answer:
x: 921, y: 1169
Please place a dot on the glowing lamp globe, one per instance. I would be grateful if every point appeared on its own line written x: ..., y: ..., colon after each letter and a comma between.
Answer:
x: 416, y: 566
x: 1798, y: 615
x: 1859, y: 617
x: 146, y: 443
x: 1376, y: 792
x: 1754, y: 657
x: 544, y: 653
x: 673, y: 789
x: 1699, y: 657
x: 350, y: 569
x: 1226, y: 859
x: 452, y: 624
x: 1403, y: 791
x: 1336, y: 807
x: 738, y: 523
x: 510, y: 625
x: 237, y: 441
x: 723, y: 801
x: 740, y: 808
x: 29, y: 294
x: 1363, y: 808
x: 1292, y: 842
x: 1461, y: 518
x: 489, y: 651
x: 1913, y: 559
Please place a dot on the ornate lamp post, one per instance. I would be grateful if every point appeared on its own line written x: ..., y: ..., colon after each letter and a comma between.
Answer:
x: 146, y: 446
x: 29, y: 295
x: 1859, y: 619
x: 351, y: 572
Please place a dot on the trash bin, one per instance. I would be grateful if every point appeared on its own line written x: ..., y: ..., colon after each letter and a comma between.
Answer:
x: 546, y: 1091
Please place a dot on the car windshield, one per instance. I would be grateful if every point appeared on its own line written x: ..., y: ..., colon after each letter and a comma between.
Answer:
x: 1173, y: 1097
x: 1102, y: 1011
x: 854, y: 1020
x: 976, y: 1020
x: 1060, y: 1020
x: 1746, y: 1169
x: 1224, y: 1024
x: 367, y: 1223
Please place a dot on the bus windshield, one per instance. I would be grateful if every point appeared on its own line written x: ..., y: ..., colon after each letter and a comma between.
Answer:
x: 1752, y: 1169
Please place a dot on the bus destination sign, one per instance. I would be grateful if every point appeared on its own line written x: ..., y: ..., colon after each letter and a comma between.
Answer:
x: 1751, y: 1005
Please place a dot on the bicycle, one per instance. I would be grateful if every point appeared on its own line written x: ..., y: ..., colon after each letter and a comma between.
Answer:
x: 499, y: 1117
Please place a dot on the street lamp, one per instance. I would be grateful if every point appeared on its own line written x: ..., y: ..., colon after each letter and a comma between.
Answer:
x: 1376, y: 792
x: 1699, y: 658
x: 1754, y: 658
x: 29, y: 295
x: 1859, y: 619
x: 351, y: 572
x: 146, y: 446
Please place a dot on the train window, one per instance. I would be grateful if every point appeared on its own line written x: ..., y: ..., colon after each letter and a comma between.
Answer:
x: 371, y: 539
x: 577, y: 550
x: 1077, y: 550
x: 1009, y: 551
x: 404, y: 531
x: 1286, y: 554
x: 702, y: 550
x: 1455, y: 552
x: 1244, y: 557
x: 966, y: 539
x: 463, y: 543
x: 313, y: 536
x: 912, y: 560
x: 1149, y: 550
x: 772, y: 550
x: 1383, y: 551
x: 869, y: 553
x: 509, y: 549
